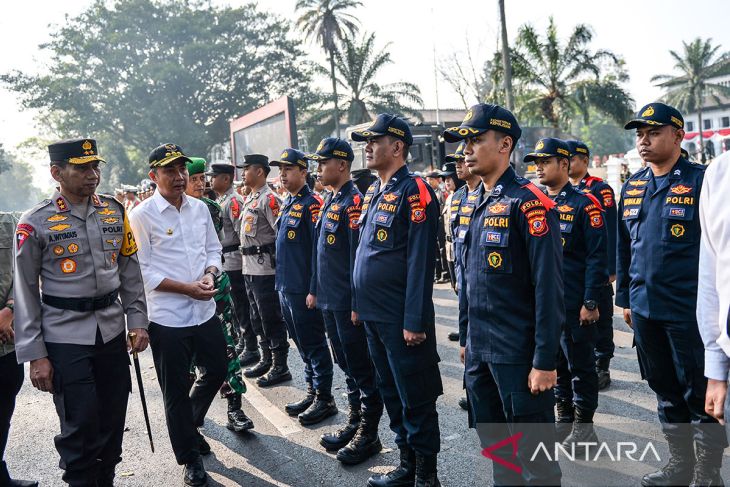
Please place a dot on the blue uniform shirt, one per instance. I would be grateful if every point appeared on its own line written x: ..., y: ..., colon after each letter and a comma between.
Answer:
x: 585, y: 261
x: 604, y: 192
x: 513, y: 294
x: 338, y: 231
x: 396, y: 256
x: 294, y: 242
x: 659, y: 243
x: 462, y: 207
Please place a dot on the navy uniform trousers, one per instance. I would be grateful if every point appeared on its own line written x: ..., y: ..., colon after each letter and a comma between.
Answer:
x: 671, y: 359
x: 350, y: 348
x: 604, y: 341
x: 307, y: 330
x: 91, y: 388
x: 409, y: 382
x: 242, y: 309
x: 265, y: 311
x: 499, y: 404
x: 577, y: 377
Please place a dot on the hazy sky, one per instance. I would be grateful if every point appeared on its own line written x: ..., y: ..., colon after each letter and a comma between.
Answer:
x: 641, y: 31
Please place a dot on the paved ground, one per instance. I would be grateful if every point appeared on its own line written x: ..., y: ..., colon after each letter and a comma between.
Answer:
x: 280, y: 452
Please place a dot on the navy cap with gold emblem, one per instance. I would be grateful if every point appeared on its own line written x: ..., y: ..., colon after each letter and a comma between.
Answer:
x: 483, y: 117
x: 291, y: 157
x: 332, y: 148
x: 167, y: 154
x: 448, y: 169
x: 74, y: 151
x: 220, y: 168
x: 548, y: 147
x: 385, y: 124
x: 577, y: 148
x: 458, y: 155
x: 657, y: 114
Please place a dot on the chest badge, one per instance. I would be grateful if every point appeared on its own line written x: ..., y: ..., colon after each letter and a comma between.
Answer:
x: 331, y: 239
x: 60, y: 227
x: 381, y: 235
x: 68, y: 266
x: 291, y: 234
x: 57, y: 218
x: 58, y: 250
x: 495, y: 260
x: 73, y: 248
x: 677, y: 230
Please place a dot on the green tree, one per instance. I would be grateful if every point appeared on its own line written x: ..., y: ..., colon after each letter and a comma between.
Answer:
x: 603, y: 135
x: 357, y: 67
x: 699, y: 62
x: 327, y: 22
x: 565, y: 80
x: 138, y: 73
x: 18, y: 192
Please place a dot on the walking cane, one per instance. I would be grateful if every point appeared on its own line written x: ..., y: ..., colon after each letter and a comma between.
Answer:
x: 140, y: 386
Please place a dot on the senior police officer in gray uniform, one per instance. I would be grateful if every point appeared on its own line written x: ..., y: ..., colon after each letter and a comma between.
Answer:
x: 231, y: 203
x: 258, y: 246
x: 77, y: 276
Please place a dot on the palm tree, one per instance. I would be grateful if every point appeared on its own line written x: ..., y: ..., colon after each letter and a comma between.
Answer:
x: 357, y: 65
x: 566, y: 80
x: 698, y: 64
x: 327, y: 22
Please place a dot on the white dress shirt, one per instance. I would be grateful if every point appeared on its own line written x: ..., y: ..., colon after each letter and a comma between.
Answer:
x: 177, y: 245
x: 713, y: 292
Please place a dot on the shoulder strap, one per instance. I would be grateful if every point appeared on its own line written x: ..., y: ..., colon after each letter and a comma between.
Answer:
x: 544, y: 199
x: 594, y: 200
x: 423, y: 195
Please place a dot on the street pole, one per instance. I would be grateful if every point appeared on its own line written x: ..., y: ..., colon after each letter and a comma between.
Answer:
x: 506, y: 63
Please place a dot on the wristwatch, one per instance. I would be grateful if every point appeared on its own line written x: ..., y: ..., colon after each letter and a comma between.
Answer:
x: 590, y: 304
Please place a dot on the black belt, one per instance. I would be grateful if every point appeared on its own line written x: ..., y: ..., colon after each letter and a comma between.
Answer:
x: 259, y: 249
x: 81, y: 304
x: 230, y: 248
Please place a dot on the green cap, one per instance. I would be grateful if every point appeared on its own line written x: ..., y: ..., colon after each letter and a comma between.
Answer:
x: 196, y: 165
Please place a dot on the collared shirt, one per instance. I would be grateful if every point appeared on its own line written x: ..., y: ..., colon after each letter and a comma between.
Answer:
x: 461, y: 210
x: 231, y: 205
x: 177, y: 245
x: 604, y: 192
x: 659, y: 243
x: 713, y: 293
x: 258, y: 228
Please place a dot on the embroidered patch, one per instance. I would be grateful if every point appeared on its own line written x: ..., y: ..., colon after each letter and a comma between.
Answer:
x: 677, y: 230
x: 634, y: 192
x: 291, y: 234
x: 381, y: 235
x: 497, y: 208
x: 106, y: 212
x: 680, y: 189
x: 68, y: 266
x: 565, y: 208
x: 22, y: 233
x: 60, y: 227
x: 73, y: 248
x: 390, y: 197
x: 110, y: 221
x: 495, y: 260
x: 678, y: 212
x: 58, y: 250
x: 596, y: 219
x: 61, y: 204
x: 418, y: 214
x: 639, y: 182
x: 56, y: 218
x: 331, y: 239
x: 494, y: 237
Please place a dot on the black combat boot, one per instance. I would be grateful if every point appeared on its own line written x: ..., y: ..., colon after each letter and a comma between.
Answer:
x: 279, y: 371
x: 582, y: 431
x: 463, y: 403
x: 194, y: 473
x: 260, y: 368
x: 426, y: 471
x: 403, y: 476
x: 566, y: 416
x: 203, y: 446
x: 366, y: 442
x: 707, y: 469
x: 322, y: 408
x: 604, y: 376
x: 237, y: 419
x: 341, y: 437
x: 679, y: 468
x: 105, y: 478
x: 249, y: 357
x: 298, y: 407
x: 5, y: 479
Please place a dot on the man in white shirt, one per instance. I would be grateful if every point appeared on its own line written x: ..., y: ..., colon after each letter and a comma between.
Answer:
x: 180, y: 257
x: 713, y: 293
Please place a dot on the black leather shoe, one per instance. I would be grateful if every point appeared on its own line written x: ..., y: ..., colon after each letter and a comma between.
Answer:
x: 454, y: 336
x: 338, y: 439
x: 365, y: 444
x: 298, y: 407
x: 249, y: 357
x: 322, y: 408
x: 403, y: 476
x: 194, y: 474
x: 463, y: 404
x: 5, y: 479
x: 261, y: 367
x: 238, y: 421
x: 27, y: 483
x: 203, y: 446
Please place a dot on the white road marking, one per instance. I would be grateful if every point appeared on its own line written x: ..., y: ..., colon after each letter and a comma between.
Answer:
x: 278, y: 418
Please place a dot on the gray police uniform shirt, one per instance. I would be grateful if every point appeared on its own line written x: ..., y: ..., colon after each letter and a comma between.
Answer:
x: 258, y: 227
x: 7, y: 230
x: 64, y: 252
x: 231, y: 204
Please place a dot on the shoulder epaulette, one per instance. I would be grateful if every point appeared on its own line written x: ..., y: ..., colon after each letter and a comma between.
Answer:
x: 544, y: 199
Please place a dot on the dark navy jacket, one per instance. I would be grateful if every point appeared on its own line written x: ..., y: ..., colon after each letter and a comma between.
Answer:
x: 659, y: 243
x: 294, y: 241
x: 462, y: 208
x: 604, y: 192
x: 514, y: 277
x: 338, y: 231
x: 396, y: 256
x: 585, y: 262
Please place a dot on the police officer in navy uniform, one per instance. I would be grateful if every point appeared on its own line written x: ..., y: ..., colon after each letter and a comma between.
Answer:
x: 584, y: 182
x: 393, y: 286
x: 658, y: 255
x: 512, y: 249
x: 77, y: 286
x: 585, y: 274
x: 294, y: 247
x: 338, y: 232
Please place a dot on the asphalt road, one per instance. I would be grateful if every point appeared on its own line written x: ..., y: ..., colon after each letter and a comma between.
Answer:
x: 280, y: 452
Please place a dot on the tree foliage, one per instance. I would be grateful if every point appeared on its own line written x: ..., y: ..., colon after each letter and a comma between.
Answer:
x: 137, y: 73
x: 18, y: 192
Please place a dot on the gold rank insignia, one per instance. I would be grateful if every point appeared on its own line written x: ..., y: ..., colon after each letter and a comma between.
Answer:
x: 648, y: 112
x: 106, y: 211
x: 57, y: 218
x: 110, y: 220
x: 114, y: 242
x: 60, y: 227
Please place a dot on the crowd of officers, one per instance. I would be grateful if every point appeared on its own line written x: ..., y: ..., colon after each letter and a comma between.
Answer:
x: 349, y: 277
